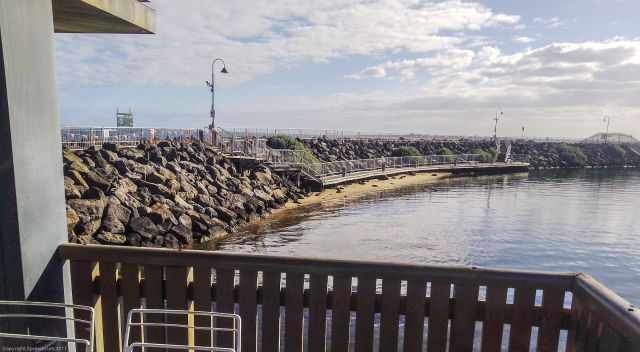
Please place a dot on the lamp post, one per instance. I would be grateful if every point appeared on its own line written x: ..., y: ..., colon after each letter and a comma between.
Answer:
x: 607, y: 119
x: 495, y: 127
x: 213, y: 95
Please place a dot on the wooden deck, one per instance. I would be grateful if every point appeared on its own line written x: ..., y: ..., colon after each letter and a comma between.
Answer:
x: 321, y: 305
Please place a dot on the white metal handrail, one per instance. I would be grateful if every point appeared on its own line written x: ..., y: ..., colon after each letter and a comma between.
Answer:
x: 70, y: 309
x: 235, y: 330
x: 350, y: 166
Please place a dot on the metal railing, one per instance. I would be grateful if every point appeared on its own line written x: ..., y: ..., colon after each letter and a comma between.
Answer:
x: 142, y: 319
x: 21, y: 313
x: 76, y: 138
x: 360, y: 165
x: 341, y: 304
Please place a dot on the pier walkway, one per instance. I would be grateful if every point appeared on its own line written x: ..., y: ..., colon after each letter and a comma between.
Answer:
x: 469, y: 168
x: 331, y: 174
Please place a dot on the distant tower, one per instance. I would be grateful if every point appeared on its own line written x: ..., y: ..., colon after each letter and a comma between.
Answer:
x: 522, y: 131
x: 124, y: 119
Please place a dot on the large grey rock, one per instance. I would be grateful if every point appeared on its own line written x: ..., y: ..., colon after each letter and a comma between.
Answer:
x: 145, y: 227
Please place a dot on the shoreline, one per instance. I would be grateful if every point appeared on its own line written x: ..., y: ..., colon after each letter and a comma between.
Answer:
x: 336, y: 196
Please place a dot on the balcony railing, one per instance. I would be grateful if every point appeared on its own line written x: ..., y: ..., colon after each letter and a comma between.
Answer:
x: 296, y: 304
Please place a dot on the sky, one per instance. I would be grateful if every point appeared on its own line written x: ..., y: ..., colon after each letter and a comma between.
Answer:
x: 422, y: 66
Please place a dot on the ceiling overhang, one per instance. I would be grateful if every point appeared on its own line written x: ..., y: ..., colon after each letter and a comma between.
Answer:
x: 103, y: 16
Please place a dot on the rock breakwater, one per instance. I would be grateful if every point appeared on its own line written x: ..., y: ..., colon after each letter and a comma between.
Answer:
x: 164, y: 195
x: 538, y: 154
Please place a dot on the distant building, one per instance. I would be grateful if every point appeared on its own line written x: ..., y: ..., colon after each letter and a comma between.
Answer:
x: 613, y: 138
x: 124, y: 119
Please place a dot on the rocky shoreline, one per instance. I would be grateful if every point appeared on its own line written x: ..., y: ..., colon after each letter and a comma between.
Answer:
x: 164, y: 195
x: 177, y: 194
x: 538, y: 154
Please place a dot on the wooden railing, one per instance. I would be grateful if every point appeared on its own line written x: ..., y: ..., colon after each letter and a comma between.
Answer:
x: 296, y: 304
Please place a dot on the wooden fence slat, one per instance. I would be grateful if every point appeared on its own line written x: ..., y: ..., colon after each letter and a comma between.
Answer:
x: 294, y: 312
x: 176, y: 278
x: 248, y: 308
x: 390, y: 314
x: 576, y: 326
x: 549, y: 333
x: 340, y: 313
x: 153, y: 299
x: 520, y: 335
x: 365, y: 313
x: 109, y: 303
x: 317, y: 313
x: 463, y: 325
x: 224, y: 304
x: 202, y: 302
x: 438, y: 317
x: 494, y: 318
x: 610, y: 340
x: 81, y: 282
x: 131, y: 298
x: 591, y: 343
x: 270, y: 311
x: 414, y: 315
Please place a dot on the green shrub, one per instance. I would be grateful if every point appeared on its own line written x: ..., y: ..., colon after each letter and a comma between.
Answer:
x: 286, y: 142
x: 282, y: 141
x: 572, y: 154
x: 444, y: 151
x: 405, y: 151
x: 485, y: 156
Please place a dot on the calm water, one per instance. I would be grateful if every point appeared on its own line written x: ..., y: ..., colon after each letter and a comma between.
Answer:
x: 587, y: 220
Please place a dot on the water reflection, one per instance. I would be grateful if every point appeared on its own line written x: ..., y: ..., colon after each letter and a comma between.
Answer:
x: 559, y: 220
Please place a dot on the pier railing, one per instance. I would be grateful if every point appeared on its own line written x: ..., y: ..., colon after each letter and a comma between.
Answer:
x: 351, y: 166
x: 319, y: 305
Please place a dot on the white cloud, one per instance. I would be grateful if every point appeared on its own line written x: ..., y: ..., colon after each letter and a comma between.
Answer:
x: 570, y: 81
x: 552, y: 22
x: 522, y: 40
x: 258, y: 36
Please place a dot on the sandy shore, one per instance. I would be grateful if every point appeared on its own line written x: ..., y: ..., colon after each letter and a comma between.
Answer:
x: 357, y: 190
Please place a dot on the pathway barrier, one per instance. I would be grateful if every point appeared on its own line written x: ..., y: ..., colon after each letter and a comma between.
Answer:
x: 317, y: 305
x: 77, y: 138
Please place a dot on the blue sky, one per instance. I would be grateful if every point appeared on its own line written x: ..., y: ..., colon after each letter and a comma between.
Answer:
x: 437, y: 67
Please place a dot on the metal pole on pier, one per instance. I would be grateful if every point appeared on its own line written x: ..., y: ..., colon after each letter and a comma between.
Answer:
x: 213, y: 96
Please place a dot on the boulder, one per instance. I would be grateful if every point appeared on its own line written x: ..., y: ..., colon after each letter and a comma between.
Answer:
x: 182, y: 233
x: 160, y: 214
x: 95, y: 180
x: 110, y: 238
x: 182, y: 203
x: 72, y: 219
x: 185, y: 220
x: 70, y: 190
x: 144, y: 226
x: 108, y: 155
x: 225, y: 214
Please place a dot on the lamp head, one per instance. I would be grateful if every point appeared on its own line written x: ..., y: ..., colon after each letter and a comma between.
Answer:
x: 224, y: 70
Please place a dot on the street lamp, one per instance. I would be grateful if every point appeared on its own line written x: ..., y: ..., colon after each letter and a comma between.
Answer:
x: 495, y: 127
x: 213, y: 94
x: 607, y: 119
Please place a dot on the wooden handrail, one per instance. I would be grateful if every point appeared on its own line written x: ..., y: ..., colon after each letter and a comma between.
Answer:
x: 169, y: 257
x: 610, y: 307
x: 598, y: 317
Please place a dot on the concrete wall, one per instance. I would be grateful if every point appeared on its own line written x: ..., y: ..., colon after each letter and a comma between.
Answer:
x: 32, y: 205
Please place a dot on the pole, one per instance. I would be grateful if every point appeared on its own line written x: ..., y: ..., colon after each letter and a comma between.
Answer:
x: 213, y: 96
